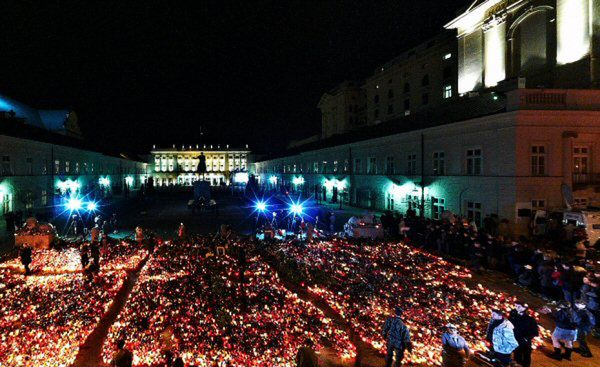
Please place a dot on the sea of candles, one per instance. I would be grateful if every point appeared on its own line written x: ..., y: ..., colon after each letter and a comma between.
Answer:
x: 123, y: 255
x: 365, y: 283
x: 220, y: 311
x: 45, y: 317
x: 197, y: 307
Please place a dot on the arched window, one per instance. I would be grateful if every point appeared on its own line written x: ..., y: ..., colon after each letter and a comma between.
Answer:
x: 533, y: 40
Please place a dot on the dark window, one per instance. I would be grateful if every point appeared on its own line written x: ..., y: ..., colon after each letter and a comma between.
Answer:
x: 406, y: 104
x: 376, y: 98
x: 390, y: 109
x: 391, y: 93
x: 447, y: 72
x: 406, y: 88
x: 425, y: 80
x: 425, y: 98
x: 376, y: 113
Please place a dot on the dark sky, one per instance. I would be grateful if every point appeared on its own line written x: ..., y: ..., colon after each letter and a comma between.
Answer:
x: 152, y: 72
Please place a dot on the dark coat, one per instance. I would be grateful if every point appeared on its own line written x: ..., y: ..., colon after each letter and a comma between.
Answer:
x: 25, y: 255
x: 396, y: 333
x: 585, y: 321
x: 526, y: 328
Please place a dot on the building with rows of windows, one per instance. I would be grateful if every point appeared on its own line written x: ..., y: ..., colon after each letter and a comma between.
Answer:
x: 179, y: 167
x: 43, y: 158
x: 524, y: 125
x: 419, y: 79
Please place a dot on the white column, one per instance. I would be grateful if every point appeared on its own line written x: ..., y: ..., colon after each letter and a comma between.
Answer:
x: 572, y: 30
x: 495, y: 54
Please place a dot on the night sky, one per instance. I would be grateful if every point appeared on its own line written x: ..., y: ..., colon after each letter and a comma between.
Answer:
x: 154, y: 72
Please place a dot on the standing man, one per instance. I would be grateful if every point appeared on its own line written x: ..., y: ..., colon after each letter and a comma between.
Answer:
x: 526, y: 328
x: 397, y: 336
x: 25, y: 254
x: 501, y: 333
x: 565, y: 332
x: 139, y: 235
x: 455, y: 350
x: 95, y: 234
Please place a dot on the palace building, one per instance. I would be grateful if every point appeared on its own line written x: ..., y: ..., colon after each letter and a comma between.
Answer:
x: 521, y: 128
x: 180, y: 167
x: 528, y: 43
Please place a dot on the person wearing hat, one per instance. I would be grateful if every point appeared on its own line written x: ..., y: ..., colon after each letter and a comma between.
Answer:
x: 501, y: 334
x: 455, y: 350
x: 585, y: 325
x: 526, y: 329
x: 565, y: 332
x: 397, y: 336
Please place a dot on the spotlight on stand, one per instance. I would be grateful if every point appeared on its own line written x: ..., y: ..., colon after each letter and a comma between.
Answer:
x: 74, y: 204
x: 296, y: 209
x: 261, y: 206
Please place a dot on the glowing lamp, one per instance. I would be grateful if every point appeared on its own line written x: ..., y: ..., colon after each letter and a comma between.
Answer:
x: 273, y: 180
x: 91, y: 206
x: 261, y: 206
x: 104, y: 181
x: 341, y: 185
x: 329, y: 184
x: 74, y: 204
x: 297, y: 209
x: 298, y: 180
x: 129, y: 180
x: 241, y: 177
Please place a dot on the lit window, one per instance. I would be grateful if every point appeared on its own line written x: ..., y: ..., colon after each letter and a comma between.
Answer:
x: 448, y: 56
x: 439, y: 206
x: 448, y: 91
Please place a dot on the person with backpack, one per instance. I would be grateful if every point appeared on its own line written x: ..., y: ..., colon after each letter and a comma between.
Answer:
x: 397, y: 337
x: 501, y: 334
x: 565, y: 332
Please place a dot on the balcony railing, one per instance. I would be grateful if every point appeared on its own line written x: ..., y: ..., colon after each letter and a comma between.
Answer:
x: 586, y: 178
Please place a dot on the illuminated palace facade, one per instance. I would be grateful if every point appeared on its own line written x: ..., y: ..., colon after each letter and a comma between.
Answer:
x: 524, y: 126
x: 44, y: 158
x: 179, y: 167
